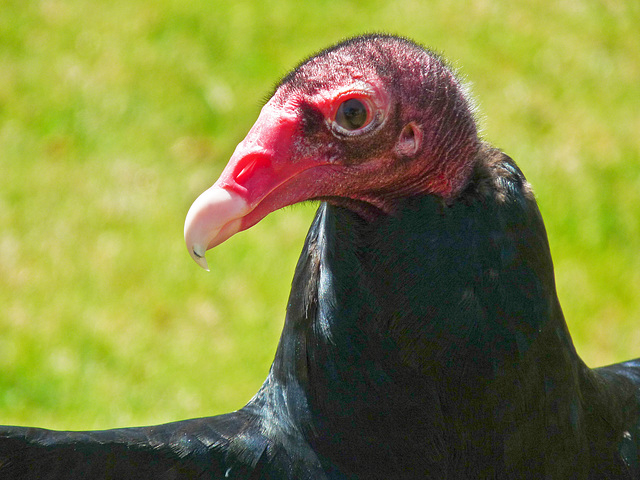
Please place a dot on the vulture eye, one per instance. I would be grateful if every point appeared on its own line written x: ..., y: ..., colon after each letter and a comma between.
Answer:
x: 352, y: 115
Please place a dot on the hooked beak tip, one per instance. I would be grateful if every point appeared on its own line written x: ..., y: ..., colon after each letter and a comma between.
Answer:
x: 198, y: 254
x: 215, y: 216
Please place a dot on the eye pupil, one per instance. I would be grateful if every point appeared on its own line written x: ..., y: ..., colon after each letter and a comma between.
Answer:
x: 352, y: 114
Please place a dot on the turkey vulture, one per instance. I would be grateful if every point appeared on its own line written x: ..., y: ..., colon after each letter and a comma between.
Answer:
x: 423, y: 336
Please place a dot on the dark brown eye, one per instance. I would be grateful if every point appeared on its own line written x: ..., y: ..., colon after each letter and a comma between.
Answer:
x: 352, y: 114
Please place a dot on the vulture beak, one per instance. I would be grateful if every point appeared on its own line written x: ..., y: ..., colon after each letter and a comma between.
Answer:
x: 259, y: 178
x: 215, y: 216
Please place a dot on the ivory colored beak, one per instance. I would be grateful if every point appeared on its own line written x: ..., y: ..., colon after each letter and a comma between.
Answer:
x: 215, y: 216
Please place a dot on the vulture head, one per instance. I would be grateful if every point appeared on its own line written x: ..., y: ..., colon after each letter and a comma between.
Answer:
x: 360, y: 125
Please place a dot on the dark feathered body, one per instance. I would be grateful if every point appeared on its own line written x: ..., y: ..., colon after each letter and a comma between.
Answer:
x: 428, y: 343
x: 440, y: 349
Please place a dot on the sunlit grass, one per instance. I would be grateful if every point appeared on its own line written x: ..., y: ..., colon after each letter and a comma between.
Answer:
x: 114, y: 116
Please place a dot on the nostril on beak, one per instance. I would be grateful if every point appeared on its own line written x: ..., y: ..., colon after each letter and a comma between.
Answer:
x: 247, y: 168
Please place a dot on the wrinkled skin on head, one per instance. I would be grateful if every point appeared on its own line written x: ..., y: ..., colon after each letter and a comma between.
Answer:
x: 414, y: 134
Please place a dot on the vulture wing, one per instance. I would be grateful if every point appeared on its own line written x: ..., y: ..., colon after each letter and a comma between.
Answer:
x: 197, y: 448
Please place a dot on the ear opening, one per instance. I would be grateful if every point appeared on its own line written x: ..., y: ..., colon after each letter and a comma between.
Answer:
x: 409, y: 141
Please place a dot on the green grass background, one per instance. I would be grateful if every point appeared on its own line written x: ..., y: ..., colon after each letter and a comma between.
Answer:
x: 115, y: 115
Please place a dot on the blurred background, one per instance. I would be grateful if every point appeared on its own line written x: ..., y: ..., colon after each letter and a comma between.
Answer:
x: 115, y: 115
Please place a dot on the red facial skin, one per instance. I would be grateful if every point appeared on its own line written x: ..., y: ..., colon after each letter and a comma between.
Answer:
x: 296, y: 150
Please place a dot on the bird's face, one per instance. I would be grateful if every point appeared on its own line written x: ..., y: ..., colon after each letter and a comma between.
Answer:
x: 339, y: 128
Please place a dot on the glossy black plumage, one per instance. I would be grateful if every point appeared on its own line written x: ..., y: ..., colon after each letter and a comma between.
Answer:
x: 427, y: 344
x: 423, y: 342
